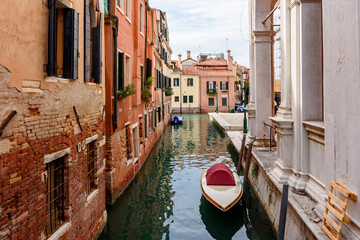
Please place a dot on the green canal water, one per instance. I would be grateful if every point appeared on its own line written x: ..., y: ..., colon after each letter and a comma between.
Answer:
x: 165, y: 201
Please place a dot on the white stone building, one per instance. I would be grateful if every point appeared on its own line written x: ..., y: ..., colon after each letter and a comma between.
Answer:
x: 318, y: 132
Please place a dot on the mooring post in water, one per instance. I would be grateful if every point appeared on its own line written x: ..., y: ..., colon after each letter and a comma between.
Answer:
x: 247, y: 163
x: 283, y: 210
x: 241, y: 153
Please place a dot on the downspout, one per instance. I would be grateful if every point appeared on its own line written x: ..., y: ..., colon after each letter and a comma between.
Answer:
x: 115, y: 19
x: 146, y: 30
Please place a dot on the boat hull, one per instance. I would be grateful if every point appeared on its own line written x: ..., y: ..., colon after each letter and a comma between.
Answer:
x: 222, y: 197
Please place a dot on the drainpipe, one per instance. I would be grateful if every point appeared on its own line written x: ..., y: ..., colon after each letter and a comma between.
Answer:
x: 115, y: 19
x: 146, y: 29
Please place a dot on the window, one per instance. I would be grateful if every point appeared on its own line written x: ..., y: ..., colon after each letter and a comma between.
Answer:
x: 159, y: 114
x: 120, y: 4
x: 190, y: 82
x: 176, y: 82
x: 121, y: 78
x: 184, y: 99
x: 176, y: 98
x: 91, y: 163
x: 190, y: 99
x: 211, y: 85
x: 141, y: 18
x: 63, y: 49
x: 127, y: 69
x: 92, y: 45
x: 146, y: 125
x: 128, y: 9
x: 224, y: 101
x: 211, y: 101
x: 224, y: 85
x: 135, y: 141
x: 128, y: 152
x: 141, y: 131
x: 55, y: 209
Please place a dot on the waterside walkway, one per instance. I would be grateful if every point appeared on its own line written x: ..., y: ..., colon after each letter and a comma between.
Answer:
x: 302, y: 219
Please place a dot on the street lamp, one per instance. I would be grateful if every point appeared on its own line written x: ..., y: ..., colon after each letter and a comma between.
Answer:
x: 216, y: 87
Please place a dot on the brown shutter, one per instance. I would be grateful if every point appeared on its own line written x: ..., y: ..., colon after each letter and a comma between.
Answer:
x: 96, y: 56
x: 51, y: 38
x: 71, y: 43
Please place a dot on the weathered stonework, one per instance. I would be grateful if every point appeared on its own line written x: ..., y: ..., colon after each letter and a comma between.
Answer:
x: 45, y: 124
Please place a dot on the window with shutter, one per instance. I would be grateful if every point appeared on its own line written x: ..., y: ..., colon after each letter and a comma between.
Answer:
x: 71, y: 43
x: 52, y: 38
x: 191, y: 99
x: 96, y: 52
x: 121, y: 82
x: 142, y: 76
x: 87, y: 42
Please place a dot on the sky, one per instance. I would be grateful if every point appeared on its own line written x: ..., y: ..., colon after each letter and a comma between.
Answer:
x: 203, y: 26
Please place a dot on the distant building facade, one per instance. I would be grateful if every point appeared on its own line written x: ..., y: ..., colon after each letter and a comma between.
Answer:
x: 212, y: 79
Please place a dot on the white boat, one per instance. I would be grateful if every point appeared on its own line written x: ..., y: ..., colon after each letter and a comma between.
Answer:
x: 224, y: 189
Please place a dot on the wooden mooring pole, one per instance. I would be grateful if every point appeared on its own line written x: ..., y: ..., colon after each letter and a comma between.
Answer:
x: 247, y: 163
x: 241, y: 153
x: 283, y: 210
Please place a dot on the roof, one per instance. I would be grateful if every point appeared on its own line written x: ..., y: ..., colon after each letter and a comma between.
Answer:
x: 194, y: 70
x: 212, y: 62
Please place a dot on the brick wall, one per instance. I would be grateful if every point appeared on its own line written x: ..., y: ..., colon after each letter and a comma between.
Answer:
x: 45, y: 123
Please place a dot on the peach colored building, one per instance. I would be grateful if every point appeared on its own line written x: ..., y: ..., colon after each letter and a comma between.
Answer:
x: 215, y: 84
x: 52, y: 178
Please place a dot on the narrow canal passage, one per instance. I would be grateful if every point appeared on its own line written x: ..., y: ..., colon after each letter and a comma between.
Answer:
x: 165, y: 201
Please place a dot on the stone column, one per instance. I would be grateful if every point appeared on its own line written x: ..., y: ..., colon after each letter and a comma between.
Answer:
x: 283, y: 121
x: 261, y: 72
x: 285, y: 30
x: 306, y: 74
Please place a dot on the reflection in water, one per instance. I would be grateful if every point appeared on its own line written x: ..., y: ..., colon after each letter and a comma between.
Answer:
x: 165, y: 201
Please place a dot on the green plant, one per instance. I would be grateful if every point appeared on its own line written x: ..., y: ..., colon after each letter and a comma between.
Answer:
x: 168, y: 91
x: 128, y: 91
x: 146, y: 95
x: 149, y: 82
x: 255, y: 170
x: 211, y: 92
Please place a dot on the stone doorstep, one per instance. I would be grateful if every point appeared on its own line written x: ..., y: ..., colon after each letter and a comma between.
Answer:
x: 315, y: 228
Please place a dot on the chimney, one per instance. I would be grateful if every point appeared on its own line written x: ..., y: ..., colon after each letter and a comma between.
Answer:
x: 179, y: 58
x: 229, y: 61
x: 198, y: 58
x: 188, y: 54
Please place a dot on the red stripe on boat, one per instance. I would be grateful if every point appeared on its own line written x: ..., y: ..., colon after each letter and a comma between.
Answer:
x: 220, y: 174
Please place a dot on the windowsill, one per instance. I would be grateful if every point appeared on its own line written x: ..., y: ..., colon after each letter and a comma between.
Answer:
x: 91, y: 196
x: 142, y: 34
x: 60, y: 232
x: 120, y: 10
x: 127, y: 19
x: 93, y: 84
x: 56, y: 80
x: 135, y: 160
x: 128, y: 162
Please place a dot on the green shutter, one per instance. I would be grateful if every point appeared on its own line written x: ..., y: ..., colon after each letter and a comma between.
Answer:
x: 121, y: 67
x: 142, y: 77
x: 96, y: 53
x: 71, y: 43
x: 207, y: 85
x: 52, y: 38
x: 227, y: 85
x: 87, y: 42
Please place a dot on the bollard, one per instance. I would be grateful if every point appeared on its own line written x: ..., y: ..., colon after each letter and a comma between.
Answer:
x: 247, y: 163
x: 241, y: 153
x: 283, y: 210
x: 245, y: 123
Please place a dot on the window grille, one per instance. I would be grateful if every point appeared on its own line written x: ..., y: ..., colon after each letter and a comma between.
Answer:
x: 91, y: 166
x: 55, y: 196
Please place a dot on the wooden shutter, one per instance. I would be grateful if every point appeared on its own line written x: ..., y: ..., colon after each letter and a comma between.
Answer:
x: 214, y: 85
x: 51, y: 38
x: 155, y: 117
x: 142, y: 76
x: 87, y: 42
x: 71, y: 43
x: 227, y: 85
x: 221, y: 86
x: 148, y: 68
x: 207, y: 85
x: 96, y: 56
x: 169, y: 82
x: 121, y: 81
x: 145, y: 125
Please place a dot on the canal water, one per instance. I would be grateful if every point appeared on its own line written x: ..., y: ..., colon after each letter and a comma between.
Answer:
x: 165, y: 201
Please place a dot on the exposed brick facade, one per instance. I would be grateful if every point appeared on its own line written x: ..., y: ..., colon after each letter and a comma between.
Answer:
x: 44, y: 124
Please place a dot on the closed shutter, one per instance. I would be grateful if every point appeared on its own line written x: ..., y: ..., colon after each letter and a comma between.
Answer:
x: 96, y: 57
x: 214, y: 84
x: 121, y: 81
x: 71, y: 43
x: 221, y: 86
x: 148, y: 68
x: 155, y: 117
x: 227, y: 85
x: 146, y: 125
x: 87, y: 42
x: 51, y: 38
x: 207, y: 85
x: 169, y: 82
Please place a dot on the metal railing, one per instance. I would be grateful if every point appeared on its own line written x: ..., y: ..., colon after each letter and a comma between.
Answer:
x: 271, y: 130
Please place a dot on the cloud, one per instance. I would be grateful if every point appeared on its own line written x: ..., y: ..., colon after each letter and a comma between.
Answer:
x: 203, y: 26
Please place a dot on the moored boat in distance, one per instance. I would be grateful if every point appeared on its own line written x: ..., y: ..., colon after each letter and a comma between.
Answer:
x: 177, y: 120
x: 221, y: 186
